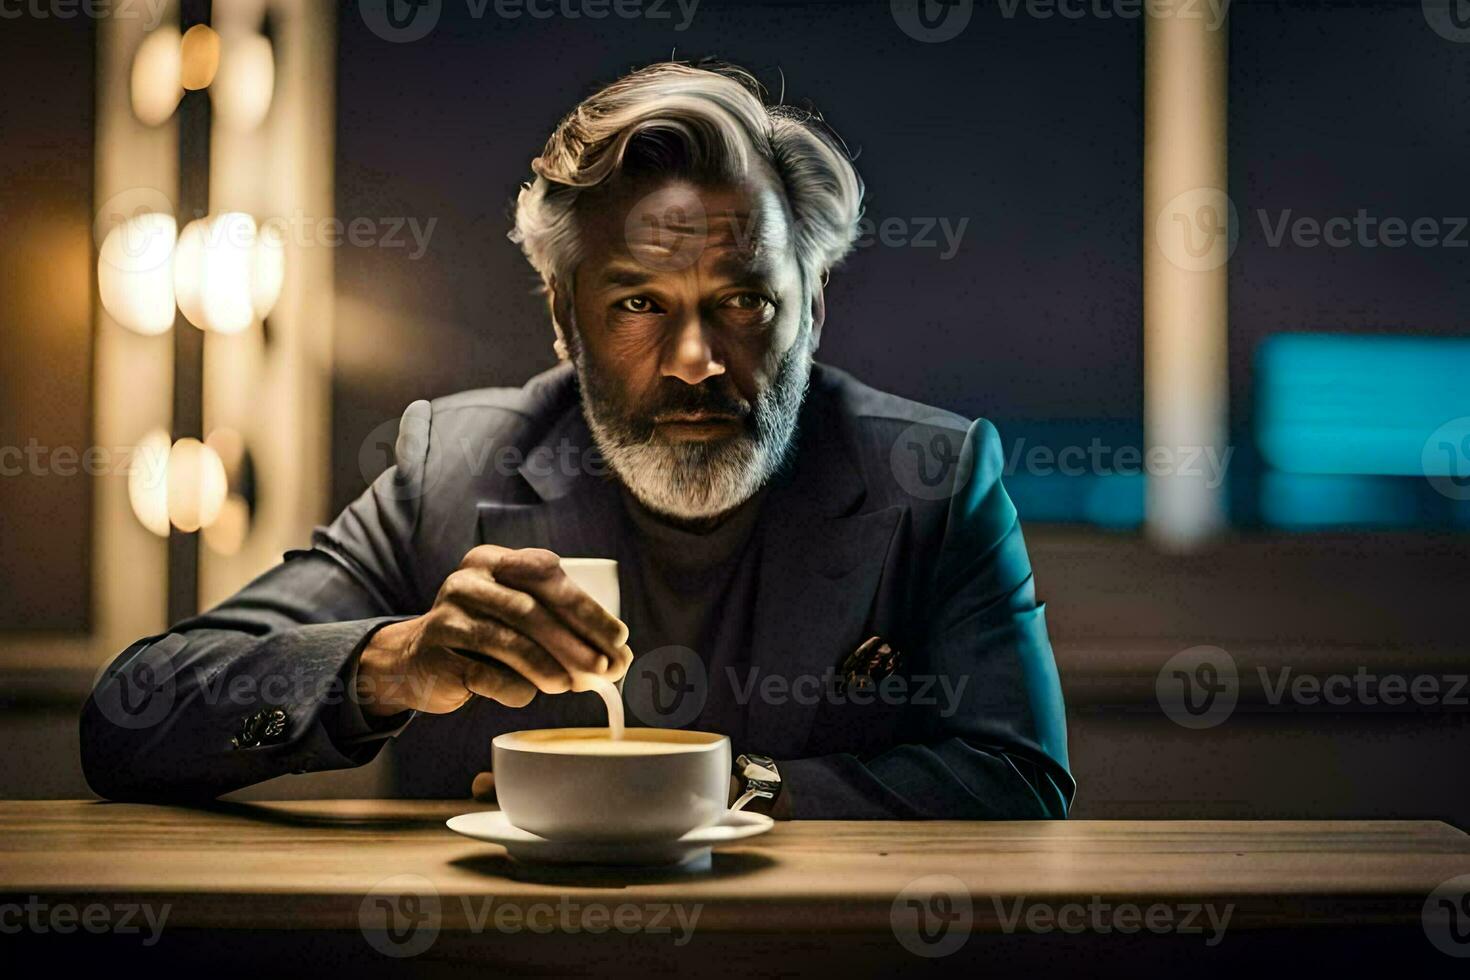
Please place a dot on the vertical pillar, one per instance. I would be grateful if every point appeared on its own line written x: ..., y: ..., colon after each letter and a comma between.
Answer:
x: 188, y: 403
x: 1189, y: 234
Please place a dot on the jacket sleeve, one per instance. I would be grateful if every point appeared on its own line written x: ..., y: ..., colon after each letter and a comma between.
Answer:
x: 996, y: 749
x: 261, y: 685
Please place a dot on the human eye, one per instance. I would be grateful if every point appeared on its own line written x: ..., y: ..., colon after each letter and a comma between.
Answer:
x: 750, y: 302
x: 636, y: 304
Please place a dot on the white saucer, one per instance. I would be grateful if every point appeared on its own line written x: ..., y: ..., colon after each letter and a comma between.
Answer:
x: 494, y: 827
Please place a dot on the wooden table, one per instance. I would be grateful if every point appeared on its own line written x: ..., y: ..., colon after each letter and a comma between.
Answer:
x: 347, y: 885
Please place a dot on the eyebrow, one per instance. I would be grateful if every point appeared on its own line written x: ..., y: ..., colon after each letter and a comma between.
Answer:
x: 731, y: 267
x: 624, y: 276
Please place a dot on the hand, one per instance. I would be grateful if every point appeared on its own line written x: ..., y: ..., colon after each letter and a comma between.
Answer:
x: 506, y: 624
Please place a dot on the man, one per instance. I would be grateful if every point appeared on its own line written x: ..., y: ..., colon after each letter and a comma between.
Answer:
x: 832, y: 576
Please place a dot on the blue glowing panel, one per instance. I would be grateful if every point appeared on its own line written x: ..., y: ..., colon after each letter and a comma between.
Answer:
x: 1386, y: 406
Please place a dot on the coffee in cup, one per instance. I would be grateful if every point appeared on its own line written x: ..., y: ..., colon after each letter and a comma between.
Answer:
x: 578, y: 784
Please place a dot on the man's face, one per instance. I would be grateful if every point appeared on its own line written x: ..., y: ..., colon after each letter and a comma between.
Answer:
x: 692, y: 338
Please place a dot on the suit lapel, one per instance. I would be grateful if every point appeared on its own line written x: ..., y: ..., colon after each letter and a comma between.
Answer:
x: 578, y: 514
x: 821, y: 565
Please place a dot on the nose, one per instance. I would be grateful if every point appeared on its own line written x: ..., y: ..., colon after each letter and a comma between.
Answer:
x: 691, y: 358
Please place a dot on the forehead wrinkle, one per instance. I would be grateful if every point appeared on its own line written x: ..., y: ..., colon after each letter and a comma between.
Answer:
x: 623, y: 274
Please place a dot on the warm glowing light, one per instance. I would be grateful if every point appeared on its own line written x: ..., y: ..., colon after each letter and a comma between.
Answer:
x: 199, y: 54
x: 215, y: 272
x: 148, y: 482
x: 242, y: 90
x: 268, y: 268
x: 227, y: 534
x: 229, y: 266
x: 189, y: 271
x: 196, y: 485
x: 156, y: 85
x: 135, y: 276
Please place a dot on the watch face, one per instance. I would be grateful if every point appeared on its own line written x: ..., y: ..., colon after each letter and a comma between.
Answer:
x: 759, y: 768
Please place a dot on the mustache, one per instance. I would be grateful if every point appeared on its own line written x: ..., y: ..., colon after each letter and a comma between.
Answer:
x: 674, y: 397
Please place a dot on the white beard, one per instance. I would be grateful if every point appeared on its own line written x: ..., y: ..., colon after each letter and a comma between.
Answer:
x: 700, y: 480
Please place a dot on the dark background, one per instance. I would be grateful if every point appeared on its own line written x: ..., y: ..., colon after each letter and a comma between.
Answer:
x: 46, y: 261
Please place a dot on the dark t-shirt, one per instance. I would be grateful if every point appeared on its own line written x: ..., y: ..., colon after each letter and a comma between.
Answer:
x: 696, y: 590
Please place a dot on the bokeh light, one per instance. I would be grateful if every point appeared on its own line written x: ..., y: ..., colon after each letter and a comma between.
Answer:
x: 135, y: 275
x: 156, y: 85
x: 199, y: 56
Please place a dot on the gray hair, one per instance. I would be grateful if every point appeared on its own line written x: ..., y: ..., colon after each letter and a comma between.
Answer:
x: 708, y: 123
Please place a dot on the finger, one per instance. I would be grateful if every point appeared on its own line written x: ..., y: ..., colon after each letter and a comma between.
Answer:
x: 617, y: 668
x: 483, y: 788
x: 474, y: 589
x: 536, y: 571
x: 488, y: 640
x: 621, y: 663
x: 499, y: 684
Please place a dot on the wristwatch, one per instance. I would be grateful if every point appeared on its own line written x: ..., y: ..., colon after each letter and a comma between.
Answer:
x: 762, y: 782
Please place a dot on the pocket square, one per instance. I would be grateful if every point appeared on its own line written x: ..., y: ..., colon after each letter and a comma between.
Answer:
x: 266, y: 727
x: 869, y: 663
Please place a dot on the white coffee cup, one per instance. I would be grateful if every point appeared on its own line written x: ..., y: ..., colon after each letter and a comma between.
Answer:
x: 577, y: 784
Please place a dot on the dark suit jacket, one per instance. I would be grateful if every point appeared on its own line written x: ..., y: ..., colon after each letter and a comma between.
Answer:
x: 890, y: 520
